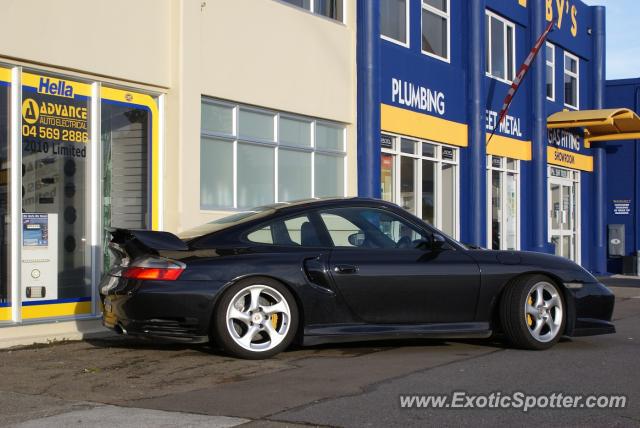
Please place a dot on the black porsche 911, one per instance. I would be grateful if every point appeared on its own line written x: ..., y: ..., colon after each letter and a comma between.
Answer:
x: 339, y: 270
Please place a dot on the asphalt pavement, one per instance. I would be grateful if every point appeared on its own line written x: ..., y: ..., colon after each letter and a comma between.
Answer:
x: 119, y: 381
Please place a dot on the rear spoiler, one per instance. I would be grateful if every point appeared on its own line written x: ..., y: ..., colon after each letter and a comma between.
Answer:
x: 154, y: 240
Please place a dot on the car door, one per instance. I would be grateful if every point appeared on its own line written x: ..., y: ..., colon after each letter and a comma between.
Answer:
x: 388, y: 271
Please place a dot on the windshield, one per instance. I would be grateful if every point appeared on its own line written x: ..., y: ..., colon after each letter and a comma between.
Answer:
x: 225, y: 222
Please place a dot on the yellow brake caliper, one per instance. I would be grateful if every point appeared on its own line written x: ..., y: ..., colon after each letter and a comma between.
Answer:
x: 274, y: 321
x: 528, y: 315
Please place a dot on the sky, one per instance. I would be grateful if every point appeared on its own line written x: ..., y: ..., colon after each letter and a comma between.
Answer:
x: 623, y: 37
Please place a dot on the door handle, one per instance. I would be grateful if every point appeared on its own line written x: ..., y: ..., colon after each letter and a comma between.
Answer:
x: 345, y: 269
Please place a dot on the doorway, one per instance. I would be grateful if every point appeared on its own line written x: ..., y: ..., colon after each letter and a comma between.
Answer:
x: 564, y: 214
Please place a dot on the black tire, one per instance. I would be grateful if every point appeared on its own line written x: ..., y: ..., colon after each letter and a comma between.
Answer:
x: 513, y: 316
x: 220, y: 330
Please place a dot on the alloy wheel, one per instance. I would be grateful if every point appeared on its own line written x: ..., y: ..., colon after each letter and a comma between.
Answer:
x: 543, y: 312
x: 258, y: 318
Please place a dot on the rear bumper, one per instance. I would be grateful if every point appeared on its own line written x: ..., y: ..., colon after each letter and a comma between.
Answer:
x: 178, y: 311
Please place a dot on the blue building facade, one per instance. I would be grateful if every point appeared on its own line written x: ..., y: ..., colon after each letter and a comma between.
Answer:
x: 622, y: 190
x: 432, y: 77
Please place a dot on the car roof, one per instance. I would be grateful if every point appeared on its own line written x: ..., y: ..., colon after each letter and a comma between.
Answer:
x: 312, y: 202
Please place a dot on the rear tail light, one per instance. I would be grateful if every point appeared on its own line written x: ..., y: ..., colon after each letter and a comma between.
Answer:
x: 154, y: 268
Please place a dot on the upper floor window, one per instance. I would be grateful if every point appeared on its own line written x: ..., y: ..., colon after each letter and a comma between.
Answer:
x: 551, y: 71
x: 571, y: 81
x: 394, y: 21
x: 251, y: 156
x: 333, y: 9
x: 435, y: 28
x: 500, y: 48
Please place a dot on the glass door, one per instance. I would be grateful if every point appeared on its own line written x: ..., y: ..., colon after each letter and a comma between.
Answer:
x: 502, y: 193
x: 562, y: 212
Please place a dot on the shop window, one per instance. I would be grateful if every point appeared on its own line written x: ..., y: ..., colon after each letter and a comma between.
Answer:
x: 421, y: 177
x: 252, y: 157
x: 333, y: 9
x: 571, y: 81
x: 435, y: 28
x: 5, y: 212
x: 125, y: 135
x: 55, y: 188
x: 551, y: 71
x: 503, y: 184
x: 394, y: 21
x: 500, y: 47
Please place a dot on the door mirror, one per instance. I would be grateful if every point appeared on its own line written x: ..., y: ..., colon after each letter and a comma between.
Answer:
x: 356, y: 239
x: 438, y: 242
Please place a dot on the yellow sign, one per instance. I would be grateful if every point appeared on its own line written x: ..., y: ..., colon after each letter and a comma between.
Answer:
x: 420, y: 125
x: 509, y: 147
x: 30, y: 111
x: 558, y: 10
x: 569, y: 159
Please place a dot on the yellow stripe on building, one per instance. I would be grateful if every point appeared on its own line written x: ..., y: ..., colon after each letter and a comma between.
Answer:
x: 5, y: 314
x: 509, y: 147
x: 146, y: 101
x: 569, y: 159
x: 5, y: 75
x: 56, y: 310
x: 419, y: 125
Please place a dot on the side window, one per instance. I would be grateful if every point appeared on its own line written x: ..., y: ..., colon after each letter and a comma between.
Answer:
x: 292, y: 232
x: 340, y: 229
x: 371, y: 228
x: 261, y: 236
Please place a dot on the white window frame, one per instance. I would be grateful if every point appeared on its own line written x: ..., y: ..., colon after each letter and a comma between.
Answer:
x: 407, y: 44
x: 446, y: 15
x: 503, y: 170
x: 311, y: 10
x: 552, y: 63
x: 572, y: 74
x: 235, y: 139
x: 397, y: 154
x: 506, y: 23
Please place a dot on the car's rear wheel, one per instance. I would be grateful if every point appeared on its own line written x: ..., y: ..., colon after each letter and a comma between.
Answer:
x: 532, y: 312
x: 256, y: 318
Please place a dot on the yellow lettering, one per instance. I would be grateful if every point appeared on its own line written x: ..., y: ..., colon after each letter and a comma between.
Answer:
x: 560, y: 8
x: 574, y: 21
x: 549, y: 10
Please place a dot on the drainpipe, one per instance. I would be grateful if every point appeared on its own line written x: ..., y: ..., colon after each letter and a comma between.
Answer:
x: 368, y: 68
x: 477, y: 218
x: 539, y: 211
x: 600, y: 200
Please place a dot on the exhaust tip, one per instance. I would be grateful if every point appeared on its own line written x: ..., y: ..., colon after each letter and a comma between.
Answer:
x: 120, y: 329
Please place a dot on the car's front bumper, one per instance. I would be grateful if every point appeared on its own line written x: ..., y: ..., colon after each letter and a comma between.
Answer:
x: 590, y: 309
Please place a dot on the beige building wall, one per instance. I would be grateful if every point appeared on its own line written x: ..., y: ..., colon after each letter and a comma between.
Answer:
x: 119, y: 39
x: 260, y: 52
x: 265, y: 53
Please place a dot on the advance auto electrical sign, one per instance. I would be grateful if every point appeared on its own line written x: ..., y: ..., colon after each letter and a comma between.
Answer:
x: 54, y: 117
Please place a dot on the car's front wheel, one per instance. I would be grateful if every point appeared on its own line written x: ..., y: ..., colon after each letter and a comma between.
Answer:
x: 256, y: 318
x: 532, y: 312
